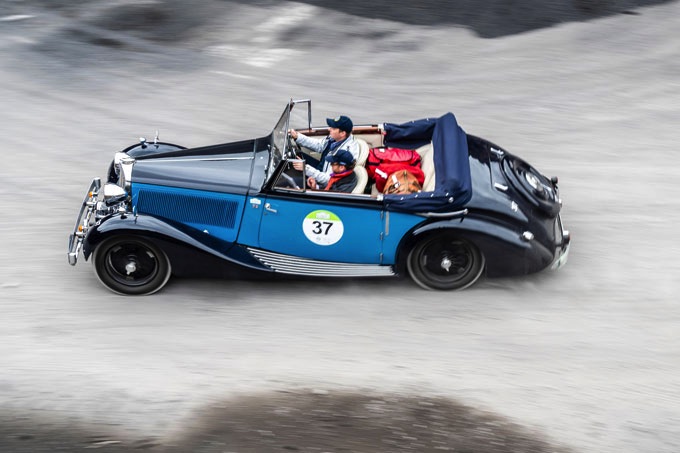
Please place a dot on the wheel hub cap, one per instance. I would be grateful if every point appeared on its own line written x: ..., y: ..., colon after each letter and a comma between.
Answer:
x: 130, y: 267
x: 446, y: 264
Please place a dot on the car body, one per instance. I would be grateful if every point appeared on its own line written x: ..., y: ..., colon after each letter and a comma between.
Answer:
x: 241, y: 209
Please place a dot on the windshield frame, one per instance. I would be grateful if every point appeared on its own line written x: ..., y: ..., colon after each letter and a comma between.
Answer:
x: 279, y: 144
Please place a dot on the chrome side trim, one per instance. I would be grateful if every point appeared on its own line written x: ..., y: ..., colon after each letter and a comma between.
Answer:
x: 443, y: 215
x: 199, y: 158
x: 288, y: 264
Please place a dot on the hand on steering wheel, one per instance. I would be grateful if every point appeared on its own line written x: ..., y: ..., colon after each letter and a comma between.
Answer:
x: 294, y: 149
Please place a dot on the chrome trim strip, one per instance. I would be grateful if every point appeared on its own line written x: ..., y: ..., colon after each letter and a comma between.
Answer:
x: 443, y: 215
x: 338, y: 195
x: 288, y: 264
x: 200, y: 159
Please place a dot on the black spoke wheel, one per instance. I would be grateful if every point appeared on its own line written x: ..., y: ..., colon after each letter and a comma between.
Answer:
x: 445, y: 262
x: 131, y: 265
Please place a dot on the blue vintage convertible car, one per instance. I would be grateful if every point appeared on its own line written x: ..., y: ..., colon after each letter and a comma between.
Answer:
x: 241, y: 208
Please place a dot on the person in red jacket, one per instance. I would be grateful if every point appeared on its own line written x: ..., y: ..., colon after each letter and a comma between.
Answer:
x: 342, y: 178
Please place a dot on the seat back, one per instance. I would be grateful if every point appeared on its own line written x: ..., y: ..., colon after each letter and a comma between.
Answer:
x: 363, y: 151
x: 362, y: 179
x: 427, y: 165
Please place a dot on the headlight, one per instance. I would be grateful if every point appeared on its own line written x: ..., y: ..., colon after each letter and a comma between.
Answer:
x: 113, y: 193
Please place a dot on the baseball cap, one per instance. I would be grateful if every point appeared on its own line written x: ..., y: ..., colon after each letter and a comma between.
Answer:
x: 342, y: 122
x: 341, y: 156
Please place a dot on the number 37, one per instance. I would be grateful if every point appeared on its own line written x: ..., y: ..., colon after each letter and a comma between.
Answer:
x: 319, y: 227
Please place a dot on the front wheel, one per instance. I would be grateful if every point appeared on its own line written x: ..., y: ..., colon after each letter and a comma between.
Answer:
x: 131, y: 265
x: 445, y: 262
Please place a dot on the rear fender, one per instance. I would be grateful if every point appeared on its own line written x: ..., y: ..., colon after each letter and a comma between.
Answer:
x: 504, y: 249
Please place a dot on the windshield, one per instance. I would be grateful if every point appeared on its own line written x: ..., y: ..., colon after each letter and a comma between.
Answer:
x: 279, y: 140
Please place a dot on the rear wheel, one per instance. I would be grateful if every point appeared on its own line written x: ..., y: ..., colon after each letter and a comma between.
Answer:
x: 131, y: 265
x: 445, y: 262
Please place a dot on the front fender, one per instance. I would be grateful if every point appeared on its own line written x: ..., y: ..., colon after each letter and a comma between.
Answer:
x: 154, y: 228
x: 505, y: 250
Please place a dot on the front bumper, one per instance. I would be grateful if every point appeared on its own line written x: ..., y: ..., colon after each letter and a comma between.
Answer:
x: 83, y: 222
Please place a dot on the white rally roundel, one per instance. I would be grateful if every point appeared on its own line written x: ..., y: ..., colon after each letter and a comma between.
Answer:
x: 323, y: 227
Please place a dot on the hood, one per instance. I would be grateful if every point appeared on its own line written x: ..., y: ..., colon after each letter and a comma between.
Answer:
x: 219, y: 168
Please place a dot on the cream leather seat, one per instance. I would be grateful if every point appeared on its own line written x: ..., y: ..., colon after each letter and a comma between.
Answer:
x: 363, y: 151
x: 362, y: 179
x: 427, y: 165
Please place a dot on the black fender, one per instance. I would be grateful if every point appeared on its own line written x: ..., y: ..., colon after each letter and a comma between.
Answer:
x: 505, y: 250
x: 184, y: 246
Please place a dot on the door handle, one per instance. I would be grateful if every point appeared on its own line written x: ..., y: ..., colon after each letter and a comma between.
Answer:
x: 269, y: 208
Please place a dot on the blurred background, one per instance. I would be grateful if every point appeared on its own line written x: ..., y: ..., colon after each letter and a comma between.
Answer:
x: 582, y: 359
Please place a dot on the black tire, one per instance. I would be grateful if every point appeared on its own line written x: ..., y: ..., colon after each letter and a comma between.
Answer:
x: 131, y: 265
x: 445, y: 262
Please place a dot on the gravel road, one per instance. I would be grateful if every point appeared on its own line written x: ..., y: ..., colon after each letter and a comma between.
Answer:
x: 583, y: 359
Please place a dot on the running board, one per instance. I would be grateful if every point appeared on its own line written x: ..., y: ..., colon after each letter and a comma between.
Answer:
x: 287, y: 264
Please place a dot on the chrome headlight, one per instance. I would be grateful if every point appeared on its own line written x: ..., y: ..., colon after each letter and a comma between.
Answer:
x: 113, y: 192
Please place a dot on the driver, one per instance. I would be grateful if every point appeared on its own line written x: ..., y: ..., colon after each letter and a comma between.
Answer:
x: 339, y: 138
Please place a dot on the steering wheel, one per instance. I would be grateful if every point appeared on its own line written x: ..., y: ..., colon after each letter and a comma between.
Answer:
x: 294, y: 149
x: 290, y: 182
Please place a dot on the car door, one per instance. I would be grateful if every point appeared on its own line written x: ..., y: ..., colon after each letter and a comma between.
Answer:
x: 320, y: 225
x: 327, y: 227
